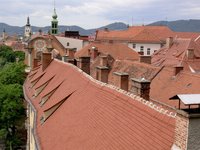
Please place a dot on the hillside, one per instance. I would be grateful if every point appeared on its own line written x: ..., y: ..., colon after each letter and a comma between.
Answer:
x: 180, y: 25
x: 20, y: 30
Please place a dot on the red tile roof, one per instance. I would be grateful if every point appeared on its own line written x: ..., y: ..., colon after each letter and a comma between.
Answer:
x: 165, y: 85
x: 95, y: 116
x: 177, y: 55
x: 116, y: 50
x: 140, y: 34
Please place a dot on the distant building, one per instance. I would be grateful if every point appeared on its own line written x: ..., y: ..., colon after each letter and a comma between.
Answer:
x: 144, y: 39
x: 54, y: 23
x: 27, y: 30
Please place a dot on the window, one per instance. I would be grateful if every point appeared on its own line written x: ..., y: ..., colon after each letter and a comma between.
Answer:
x: 134, y: 45
x: 148, y: 51
x: 67, y: 43
x: 142, y: 49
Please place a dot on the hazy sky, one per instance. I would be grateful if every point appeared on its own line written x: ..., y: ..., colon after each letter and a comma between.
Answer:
x: 95, y: 13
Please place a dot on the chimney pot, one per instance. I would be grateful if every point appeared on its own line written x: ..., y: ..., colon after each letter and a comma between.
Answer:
x: 121, y: 80
x: 94, y: 52
x: 141, y: 87
x: 102, y: 73
x: 46, y: 60
x: 169, y: 42
x: 84, y: 64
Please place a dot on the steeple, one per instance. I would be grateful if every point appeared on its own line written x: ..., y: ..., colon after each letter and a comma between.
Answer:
x: 28, y: 21
x: 54, y: 22
x: 27, y: 30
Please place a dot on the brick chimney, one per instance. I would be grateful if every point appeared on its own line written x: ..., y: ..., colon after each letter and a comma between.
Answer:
x: 102, y: 73
x: 71, y: 52
x: 94, y: 52
x: 145, y: 59
x: 190, y: 53
x: 140, y: 87
x: 169, y: 42
x: 121, y: 80
x: 103, y: 60
x: 84, y: 64
x: 35, y: 63
x: 46, y: 60
x: 177, y: 69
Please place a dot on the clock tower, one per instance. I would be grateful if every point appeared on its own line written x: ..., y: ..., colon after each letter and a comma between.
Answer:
x: 27, y: 32
x: 54, y: 23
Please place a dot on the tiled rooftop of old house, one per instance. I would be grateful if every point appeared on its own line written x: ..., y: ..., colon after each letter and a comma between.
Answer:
x: 149, y: 34
x: 182, y: 52
x: 74, y: 111
x: 116, y: 50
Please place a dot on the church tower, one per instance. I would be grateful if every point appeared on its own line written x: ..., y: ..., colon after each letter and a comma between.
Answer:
x: 54, y: 22
x: 27, y: 31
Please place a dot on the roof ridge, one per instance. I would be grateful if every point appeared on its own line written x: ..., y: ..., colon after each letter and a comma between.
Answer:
x: 130, y: 95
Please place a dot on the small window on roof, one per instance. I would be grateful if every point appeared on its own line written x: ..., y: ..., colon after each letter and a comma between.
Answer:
x: 134, y: 45
x: 67, y: 43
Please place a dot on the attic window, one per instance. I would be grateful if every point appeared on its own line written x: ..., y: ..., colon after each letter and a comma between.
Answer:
x: 48, y: 95
x: 49, y: 112
x: 67, y: 43
x: 134, y: 45
x: 41, y: 88
x: 36, y: 80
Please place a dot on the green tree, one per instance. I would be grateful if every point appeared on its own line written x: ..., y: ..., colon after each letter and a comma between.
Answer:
x: 11, y: 112
x: 12, y: 73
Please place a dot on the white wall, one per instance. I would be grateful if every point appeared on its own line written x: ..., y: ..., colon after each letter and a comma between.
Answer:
x: 153, y: 47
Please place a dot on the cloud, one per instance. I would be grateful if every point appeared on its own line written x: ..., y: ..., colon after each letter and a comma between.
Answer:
x: 95, y: 13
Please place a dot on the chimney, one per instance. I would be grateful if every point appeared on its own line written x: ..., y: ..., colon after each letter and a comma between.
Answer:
x: 94, y: 52
x: 121, y: 80
x: 103, y: 60
x: 187, y: 133
x: 35, y: 63
x: 102, y: 73
x: 190, y: 53
x: 46, y: 60
x: 169, y: 42
x: 177, y: 69
x: 84, y: 64
x: 140, y: 87
x: 145, y: 59
x: 71, y: 52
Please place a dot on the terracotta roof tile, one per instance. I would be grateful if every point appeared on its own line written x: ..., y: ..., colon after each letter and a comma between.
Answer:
x: 177, y: 54
x: 96, y: 116
x: 116, y: 50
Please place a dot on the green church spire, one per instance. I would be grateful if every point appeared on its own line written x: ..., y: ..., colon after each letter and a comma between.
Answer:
x: 54, y: 22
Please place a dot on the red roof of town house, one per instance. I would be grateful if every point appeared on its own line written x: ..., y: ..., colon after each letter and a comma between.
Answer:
x: 188, y: 35
x: 177, y: 55
x: 140, y: 34
x: 116, y: 50
x: 92, y: 115
x: 166, y: 85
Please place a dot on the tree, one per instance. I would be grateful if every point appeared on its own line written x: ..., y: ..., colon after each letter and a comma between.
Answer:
x: 11, y: 112
x: 12, y: 73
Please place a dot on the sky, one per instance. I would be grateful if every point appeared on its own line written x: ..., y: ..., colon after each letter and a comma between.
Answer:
x: 96, y: 13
